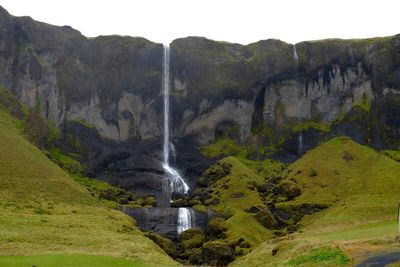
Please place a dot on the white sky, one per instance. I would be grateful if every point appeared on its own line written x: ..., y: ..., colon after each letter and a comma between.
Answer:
x: 242, y: 21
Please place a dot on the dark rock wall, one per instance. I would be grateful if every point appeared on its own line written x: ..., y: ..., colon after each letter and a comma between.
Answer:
x: 261, y: 91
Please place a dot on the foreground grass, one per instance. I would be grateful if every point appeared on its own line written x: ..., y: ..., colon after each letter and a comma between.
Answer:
x: 44, y: 211
x: 67, y: 260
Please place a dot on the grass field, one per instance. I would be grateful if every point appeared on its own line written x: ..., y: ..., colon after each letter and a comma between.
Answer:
x: 44, y: 211
x: 66, y: 260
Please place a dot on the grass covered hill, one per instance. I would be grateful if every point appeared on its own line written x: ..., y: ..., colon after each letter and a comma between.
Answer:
x: 45, y: 212
x: 360, y: 188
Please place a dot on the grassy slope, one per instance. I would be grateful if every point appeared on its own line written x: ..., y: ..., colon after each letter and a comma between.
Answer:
x: 363, y: 192
x: 241, y: 224
x: 44, y: 211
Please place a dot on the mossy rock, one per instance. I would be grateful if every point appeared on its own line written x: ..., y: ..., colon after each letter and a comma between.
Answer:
x: 150, y: 201
x: 243, y: 243
x: 214, y: 173
x: 195, y: 201
x: 200, y: 208
x: 212, y: 201
x: 167, y: 245
x: 196, y: 256
x: 266, y: 218
x: 216, y: 226
x: 192, y: 238
x: 288, y: 189
x: 217, y: 253
x: 180, y: 202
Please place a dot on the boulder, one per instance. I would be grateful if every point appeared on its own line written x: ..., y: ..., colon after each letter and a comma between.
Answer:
x: 266, y: 218
x: 192, y: 238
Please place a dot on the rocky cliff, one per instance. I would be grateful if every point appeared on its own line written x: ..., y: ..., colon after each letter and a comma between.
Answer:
x: 106, y: 92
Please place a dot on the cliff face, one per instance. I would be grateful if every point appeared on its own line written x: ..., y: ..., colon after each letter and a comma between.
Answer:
x: 266, y: 92
x: 274, y: 85
x: 109, y: 82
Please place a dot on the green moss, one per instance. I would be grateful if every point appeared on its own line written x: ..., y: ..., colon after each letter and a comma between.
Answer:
x: 192, y: 238
x: 323, y: 127
x: 393, y: 154
x: 83, y: 123
x: 266, y: 168
x: 321, y: 256
x: 200, y: 208
x: 365, y: 104
x: 225, y: 147
x: 65, y: 162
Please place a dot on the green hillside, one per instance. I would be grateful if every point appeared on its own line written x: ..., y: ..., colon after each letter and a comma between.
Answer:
x: 44, y: 211
x: 361, y: 189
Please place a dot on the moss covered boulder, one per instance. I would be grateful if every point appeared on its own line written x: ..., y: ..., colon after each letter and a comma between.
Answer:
x: 266, y: 218
x: 167, y: 245
x: 192, y: 238
x: 217, y: 253
x: 216, y: 226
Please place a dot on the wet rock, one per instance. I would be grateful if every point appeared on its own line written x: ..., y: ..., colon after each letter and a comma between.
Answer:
x: 180, y: 202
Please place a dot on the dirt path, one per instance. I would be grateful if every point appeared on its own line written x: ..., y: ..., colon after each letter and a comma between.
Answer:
x: 380, y: 260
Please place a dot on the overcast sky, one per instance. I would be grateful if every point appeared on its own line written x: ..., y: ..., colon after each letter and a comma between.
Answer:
x: 243, y: 21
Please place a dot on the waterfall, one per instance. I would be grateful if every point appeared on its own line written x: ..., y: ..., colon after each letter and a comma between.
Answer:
x: 174, y: 181
x: 300, y: 141
x: 295, y: 56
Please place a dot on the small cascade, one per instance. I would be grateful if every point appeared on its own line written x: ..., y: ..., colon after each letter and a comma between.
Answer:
x: 300, y: 143
x: 295, y: 56
x: 174, y: 181
x: 185, y: 219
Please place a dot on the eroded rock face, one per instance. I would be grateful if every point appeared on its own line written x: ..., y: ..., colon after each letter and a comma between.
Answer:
x: 297, y: 99
x: 110, y: 82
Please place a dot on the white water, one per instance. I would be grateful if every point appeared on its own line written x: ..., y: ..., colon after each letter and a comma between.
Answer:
x: 300, y: 141
x: 185, y: 217
x: 295, y: 56
x: 174, y: 181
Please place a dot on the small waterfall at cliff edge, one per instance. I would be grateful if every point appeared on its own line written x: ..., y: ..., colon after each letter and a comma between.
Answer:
x: 295, y: 56
x: 300, y: 143
x: 173, y: 181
